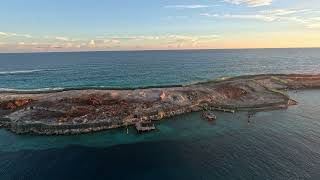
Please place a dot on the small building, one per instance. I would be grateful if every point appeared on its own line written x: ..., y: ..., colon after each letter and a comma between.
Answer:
x: 143, y: 126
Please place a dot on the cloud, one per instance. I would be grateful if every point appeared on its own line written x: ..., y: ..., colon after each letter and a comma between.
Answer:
x: 68, y: 45
x: 298, y: 16
x: 193, y: 6
x: 180, y: 41
x: 316, y: 19
x: 112, y: 41
x: 3, y: 34
x: 119, y: 39
x: 241, y: 16
x: 92, y: 44
x: 47, y: 43
x: 281, y: 12
x: 314, y: 23
x: 9, y: 34
x: 61, y: 38
x: 313, y: 26
x: 251, y: 3
x: 133, y: 38
x: 293, y: 15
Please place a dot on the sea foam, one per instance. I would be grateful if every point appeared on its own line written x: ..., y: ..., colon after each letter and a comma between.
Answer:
x: 31, y: 90
x: 24, y: 71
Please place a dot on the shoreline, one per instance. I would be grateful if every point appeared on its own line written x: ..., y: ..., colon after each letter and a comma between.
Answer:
x: 65, y: 89
x: 90, y: 110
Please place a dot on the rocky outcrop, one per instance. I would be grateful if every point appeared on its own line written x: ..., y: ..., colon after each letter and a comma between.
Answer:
x: 4, y: 122
x: 14, y: 104
x: 83, y: 111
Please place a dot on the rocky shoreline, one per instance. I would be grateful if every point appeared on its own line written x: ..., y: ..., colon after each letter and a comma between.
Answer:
x: 84, y: 111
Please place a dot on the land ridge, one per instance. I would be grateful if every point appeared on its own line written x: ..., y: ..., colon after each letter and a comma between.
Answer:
x: 89, y: 110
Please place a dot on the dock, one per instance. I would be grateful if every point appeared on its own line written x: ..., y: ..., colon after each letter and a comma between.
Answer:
x: 143, y: 127
x: 223, y: 109
x: 210, y: 116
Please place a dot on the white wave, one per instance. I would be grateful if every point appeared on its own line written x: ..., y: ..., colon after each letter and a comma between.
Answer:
x: 31, y: 90
x: 24, y: 71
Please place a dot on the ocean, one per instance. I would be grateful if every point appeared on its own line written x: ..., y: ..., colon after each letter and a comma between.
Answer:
x: 281, y: 144
x: 54, y: 71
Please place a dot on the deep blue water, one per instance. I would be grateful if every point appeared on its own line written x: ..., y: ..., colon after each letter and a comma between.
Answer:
x: 147, y: 68
x: 282, y: 144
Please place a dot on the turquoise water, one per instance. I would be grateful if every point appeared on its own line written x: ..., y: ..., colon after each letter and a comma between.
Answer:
x: 146, y: 68
x: 282, y: 144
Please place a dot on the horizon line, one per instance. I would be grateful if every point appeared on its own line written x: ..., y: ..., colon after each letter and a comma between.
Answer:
x: 142, y: 50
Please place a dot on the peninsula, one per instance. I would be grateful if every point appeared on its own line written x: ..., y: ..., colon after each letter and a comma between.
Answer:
x: 83, y: 111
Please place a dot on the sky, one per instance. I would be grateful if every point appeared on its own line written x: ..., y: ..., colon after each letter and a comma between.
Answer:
x: 103, y: 25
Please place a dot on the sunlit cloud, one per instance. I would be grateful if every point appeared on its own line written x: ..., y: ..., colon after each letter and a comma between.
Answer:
x: 112, y: 41
x: 61, y: 38
x: 275, y: 15
x: 9, y: 34
x: 180, y: 41
x: 241, y: 16
x: 313, y: 26
x: 92, y: 44
x: 251, y: 3
x: 63, y: 43
x: 282, y: 12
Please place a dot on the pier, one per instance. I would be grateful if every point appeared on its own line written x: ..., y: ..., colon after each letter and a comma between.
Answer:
x: 143, y: 127
x: 210, y: 116
x: 223, y: 109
